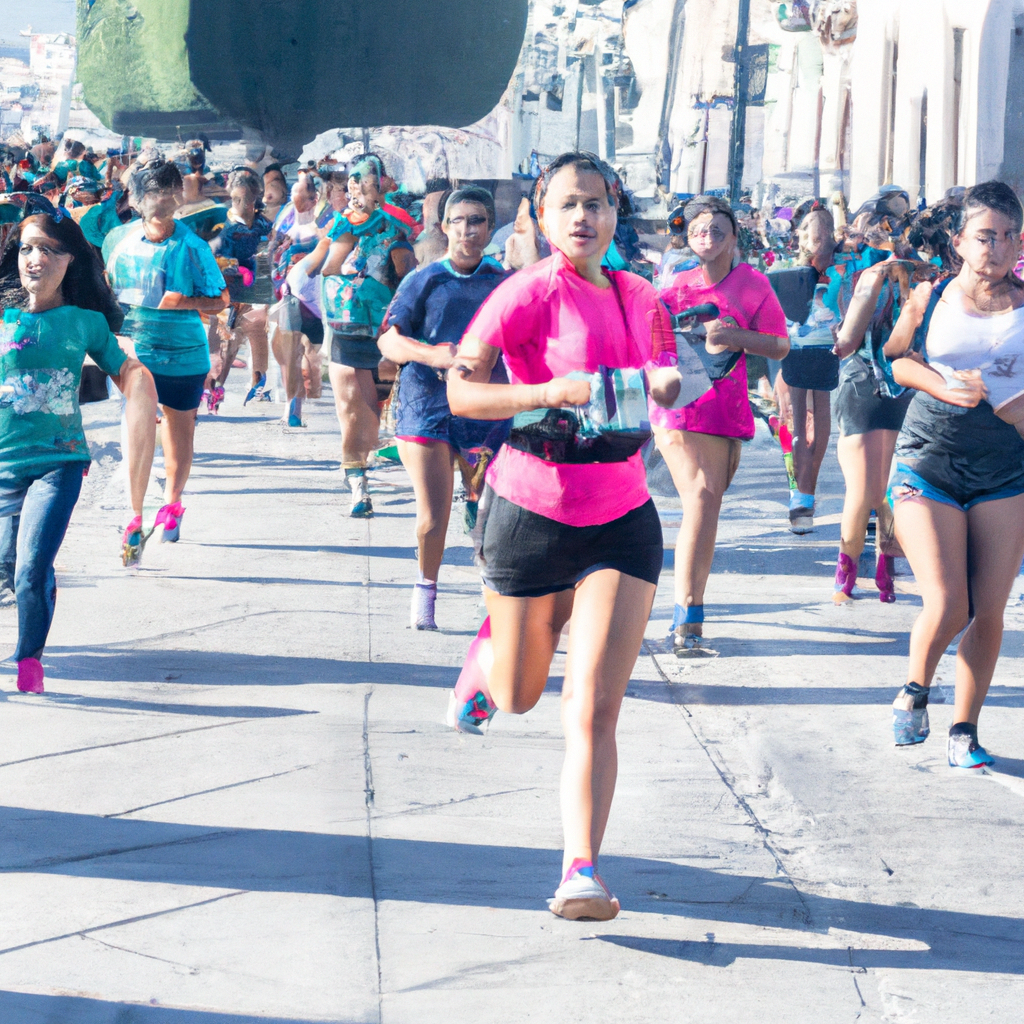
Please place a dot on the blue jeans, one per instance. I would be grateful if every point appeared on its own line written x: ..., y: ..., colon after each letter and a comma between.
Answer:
x: 34, y: 516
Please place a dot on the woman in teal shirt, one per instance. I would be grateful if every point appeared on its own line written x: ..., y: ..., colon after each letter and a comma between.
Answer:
x: 43, y: 452
x: 165, y: 275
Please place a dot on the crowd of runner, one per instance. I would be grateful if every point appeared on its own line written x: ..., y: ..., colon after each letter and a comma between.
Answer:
x: 543, y: 373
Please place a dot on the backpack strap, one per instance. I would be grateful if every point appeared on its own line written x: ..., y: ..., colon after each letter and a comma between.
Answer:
x: 921, y: 334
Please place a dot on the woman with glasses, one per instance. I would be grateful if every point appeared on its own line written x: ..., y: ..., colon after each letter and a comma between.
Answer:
x: 701, y: 441
x: 166, y: 275
x: 67, y: 312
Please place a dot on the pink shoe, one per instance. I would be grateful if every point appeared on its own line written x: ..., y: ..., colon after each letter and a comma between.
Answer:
x: 132, y: 543
x: 884, y: 581
x: 30, y: 675
x: 846, y: 578
x: 470, y: 708
x: 169, y: 517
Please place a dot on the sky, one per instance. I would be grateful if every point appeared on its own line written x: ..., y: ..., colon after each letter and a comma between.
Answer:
x: 43, y: 15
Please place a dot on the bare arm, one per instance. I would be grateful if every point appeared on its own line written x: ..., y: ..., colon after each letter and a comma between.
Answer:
x: 339, y: 252
x: 315, y: 260
x: 911, y: 317
x: 734, y: 339
x: 858, y: 316
x: 400, y: 349
x: 913, y: 372
x: 200, y: 303
x: 471, y: 394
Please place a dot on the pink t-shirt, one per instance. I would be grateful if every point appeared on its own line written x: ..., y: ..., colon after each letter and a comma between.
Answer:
x: 746, y: 295
x: 548, y: 321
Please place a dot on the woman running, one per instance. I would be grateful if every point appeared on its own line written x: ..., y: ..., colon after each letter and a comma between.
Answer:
x: 572, y: 535
x: 369, y: 256
x: 235, y: 247
x: 869, y: 418
x: 427, y: 318
x: 166, y: 275
x: 810, y: 372
x: 701, y: 441
x: 68, y: 313
x: 958, y: 488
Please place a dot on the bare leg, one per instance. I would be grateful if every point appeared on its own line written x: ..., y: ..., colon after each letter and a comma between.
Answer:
x: 809, y: 447
x: 865, y: 460
x: 995, y: 538
x: 254, y: 329
x: 934, y: 537
x: 140, y: 417
x: 609, y: 615
x: 524, y: 635
x: 355, y: 400
x: 430, y: 469
x: 702, y: 467
x: 178, y: 437
x: 288, y: 349
x: 311, y: 369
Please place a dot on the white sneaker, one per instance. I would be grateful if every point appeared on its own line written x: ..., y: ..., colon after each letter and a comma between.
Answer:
x: 581, y: 896
x: 421, y: 614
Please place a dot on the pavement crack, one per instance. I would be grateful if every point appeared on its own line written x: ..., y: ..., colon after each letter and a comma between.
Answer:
x: 754, y: 820
x: 368, y: 793
x: 203, y: 792
x: 124, y: 921
x: 122, y: 743
x: 135, y: 952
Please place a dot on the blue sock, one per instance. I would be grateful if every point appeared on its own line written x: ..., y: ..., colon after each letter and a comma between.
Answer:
x: 797, y: 499
x: 683, y: 616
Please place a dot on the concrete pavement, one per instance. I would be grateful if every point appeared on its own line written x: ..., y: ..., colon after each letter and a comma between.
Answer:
x: 237, y: 800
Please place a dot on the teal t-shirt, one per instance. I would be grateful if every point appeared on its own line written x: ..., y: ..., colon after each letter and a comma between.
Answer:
x: 168, y: 341
x: 41, y: 356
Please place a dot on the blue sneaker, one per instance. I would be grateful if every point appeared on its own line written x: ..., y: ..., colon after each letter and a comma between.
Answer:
x: 910, y: 715
x: 256, y: 391
x: 471, y: 716
x: 964, y: 751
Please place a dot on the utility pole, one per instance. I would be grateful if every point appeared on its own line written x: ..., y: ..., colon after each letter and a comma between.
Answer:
x: 739, y: 109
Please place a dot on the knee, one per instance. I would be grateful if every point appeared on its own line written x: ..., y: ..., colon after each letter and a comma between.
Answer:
x: 951, y: 615
x: 584, y: 717
x: 428, y: 525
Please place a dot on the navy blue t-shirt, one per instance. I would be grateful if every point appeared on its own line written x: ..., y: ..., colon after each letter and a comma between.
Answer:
x: 435, y: 304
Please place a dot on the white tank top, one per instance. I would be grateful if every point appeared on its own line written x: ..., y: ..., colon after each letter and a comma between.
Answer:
x: 993, y: 344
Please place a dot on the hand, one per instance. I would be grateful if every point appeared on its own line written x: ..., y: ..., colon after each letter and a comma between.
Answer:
x: 968, y: 391
x: 562, y: 391
x: 917, y: 303
x: 845, y: 348
x: 717, y: 337
x: 442, y: 357
x: 664, y: 383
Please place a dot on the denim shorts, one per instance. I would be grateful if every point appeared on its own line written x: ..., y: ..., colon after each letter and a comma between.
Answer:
x: 908, y: 484
x: 528, y: 555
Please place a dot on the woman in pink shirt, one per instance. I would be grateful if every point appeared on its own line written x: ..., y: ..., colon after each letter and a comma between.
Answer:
x: 572, y: 534
x: 701, y: 441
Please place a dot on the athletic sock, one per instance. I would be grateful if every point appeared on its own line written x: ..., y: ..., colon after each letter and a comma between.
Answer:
x: 964, y: 729
x: 683, y: 615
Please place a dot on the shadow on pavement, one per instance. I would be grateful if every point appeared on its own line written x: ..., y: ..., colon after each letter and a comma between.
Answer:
x: 502, y: 877
x: 74, y: 700
x: 117, y: 664
x: 21, y: 1006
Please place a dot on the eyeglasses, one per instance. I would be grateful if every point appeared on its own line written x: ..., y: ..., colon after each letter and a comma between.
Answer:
x: 715, y: 234
x: 26, y: 249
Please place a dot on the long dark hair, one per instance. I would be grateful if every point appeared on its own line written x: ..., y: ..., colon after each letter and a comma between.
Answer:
x: 84, y: 285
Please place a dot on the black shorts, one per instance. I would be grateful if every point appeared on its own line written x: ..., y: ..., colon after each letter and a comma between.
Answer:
x: 859, y: 408
x: 359, y: 353
x: 529, y: 555
x: 312, y: 328
x: 181, y: 393
x: 813, y: 369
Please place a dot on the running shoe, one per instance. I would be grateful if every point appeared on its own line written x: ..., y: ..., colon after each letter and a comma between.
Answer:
x: 582, y: 894
x: 910, y: 715
x: 30, y: 675
x: 169, y: 517
x: 295, y: 421
x: 884, y: 581
x: 801, y: 520
x: 691, y: 645
x: 964, y: 751
x: 421, y: 615
x: 257, y: 390
x: 214, y: 396
x: 132, y: 543
x: 362, y: 507
x: 846, y: 578
x: 472, y: 716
